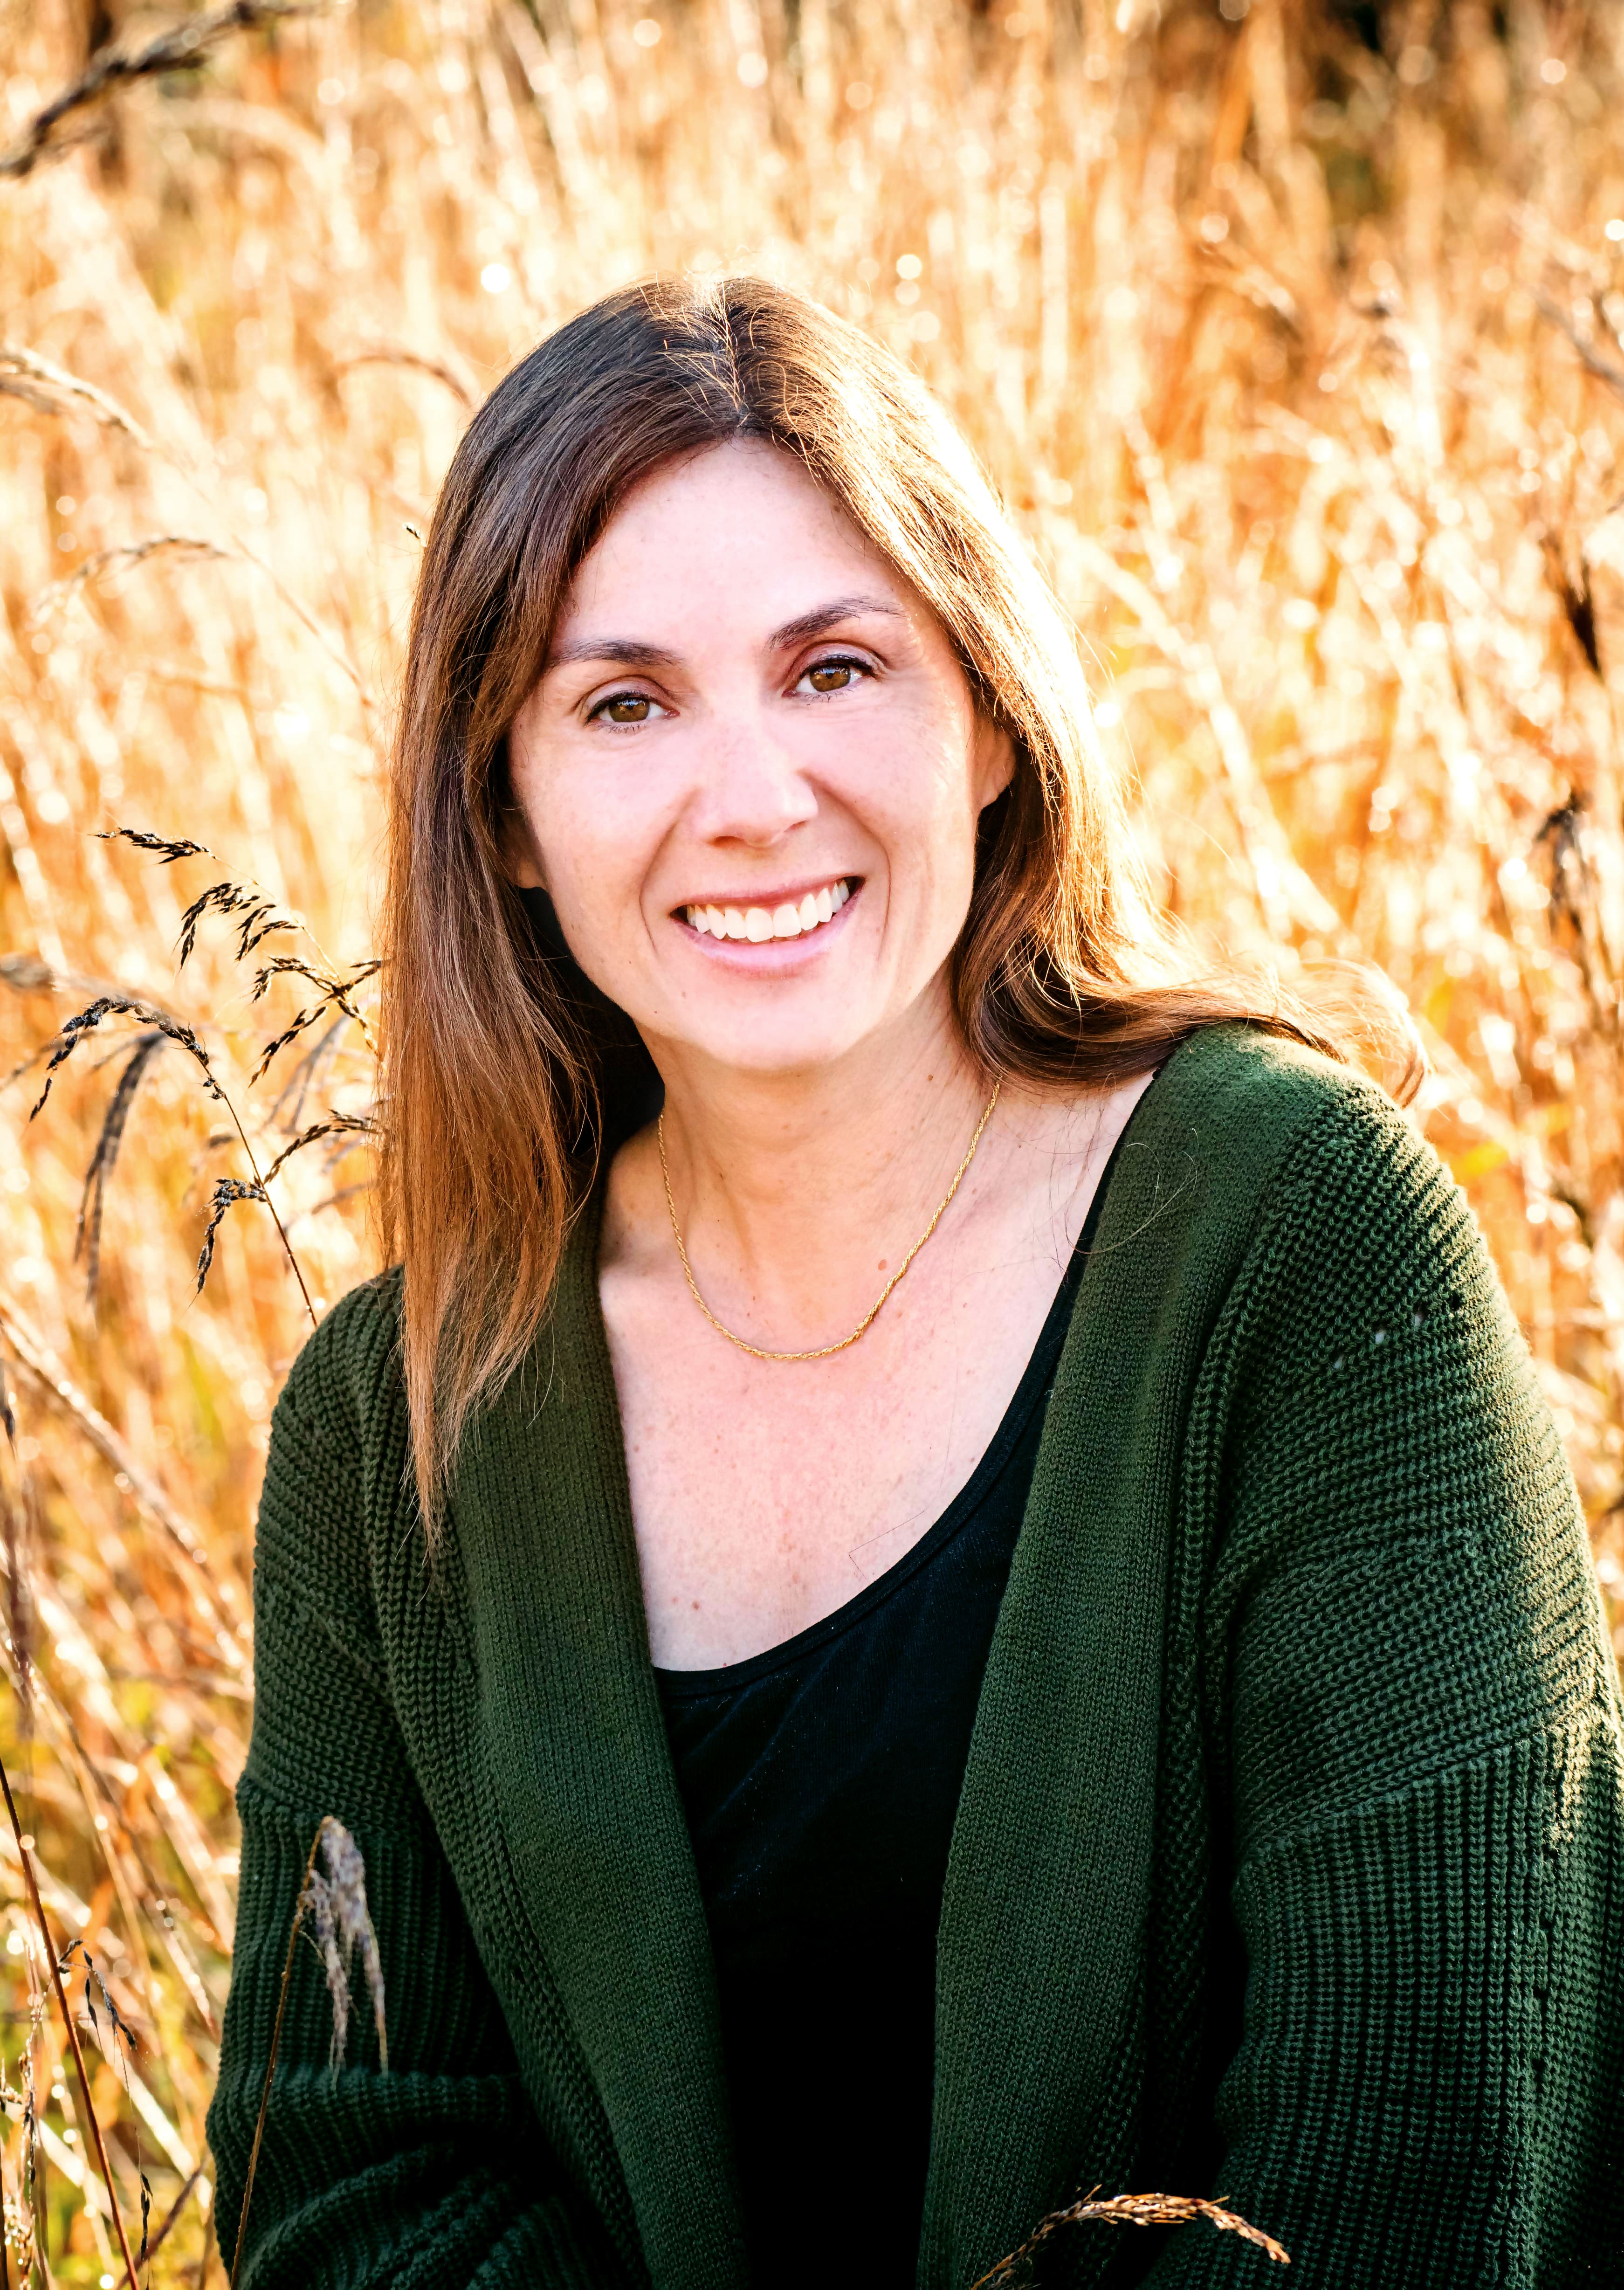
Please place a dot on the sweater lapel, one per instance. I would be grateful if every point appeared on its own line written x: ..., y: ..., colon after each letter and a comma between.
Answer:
x: 1042, y: 1935
x: 590, y: 1810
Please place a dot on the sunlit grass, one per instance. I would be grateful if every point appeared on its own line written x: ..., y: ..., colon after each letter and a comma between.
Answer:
x: 1293, y: 359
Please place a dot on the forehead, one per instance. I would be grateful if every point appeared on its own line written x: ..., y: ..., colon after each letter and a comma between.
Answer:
x: 740, y: 528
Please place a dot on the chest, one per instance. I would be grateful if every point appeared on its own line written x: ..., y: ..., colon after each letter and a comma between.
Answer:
x: 766, y: 1495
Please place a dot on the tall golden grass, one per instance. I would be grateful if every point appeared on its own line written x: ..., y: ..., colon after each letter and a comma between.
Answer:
x: 1300, y: 360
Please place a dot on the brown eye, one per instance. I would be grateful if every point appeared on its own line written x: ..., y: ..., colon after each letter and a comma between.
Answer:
x: 626, y: 708
x: 830, y: 675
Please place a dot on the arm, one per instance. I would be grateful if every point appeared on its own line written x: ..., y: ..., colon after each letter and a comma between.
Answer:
x: 1417, y: 1732
x: 438, y: 2174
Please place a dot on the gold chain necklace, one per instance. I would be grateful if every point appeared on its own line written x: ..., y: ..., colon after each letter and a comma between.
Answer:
x: 872, y: 1313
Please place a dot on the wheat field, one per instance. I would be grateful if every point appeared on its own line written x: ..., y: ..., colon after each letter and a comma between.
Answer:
x: 1296, y: 341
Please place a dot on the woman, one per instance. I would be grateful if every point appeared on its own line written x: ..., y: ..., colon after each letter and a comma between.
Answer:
x: 940, y: 1577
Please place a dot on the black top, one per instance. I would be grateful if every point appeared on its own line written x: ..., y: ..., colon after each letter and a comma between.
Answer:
x: 821, y: 1781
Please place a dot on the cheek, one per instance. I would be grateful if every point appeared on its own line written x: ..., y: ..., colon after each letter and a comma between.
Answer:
x: 909, y: 776
x: 590, y: 841
x: 932, y: 809
x: 599, y: 838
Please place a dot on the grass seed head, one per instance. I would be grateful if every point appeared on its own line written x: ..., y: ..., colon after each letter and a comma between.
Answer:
x: 335, y: 1898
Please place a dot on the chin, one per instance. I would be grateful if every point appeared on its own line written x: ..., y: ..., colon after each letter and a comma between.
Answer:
x: 765, y: 1048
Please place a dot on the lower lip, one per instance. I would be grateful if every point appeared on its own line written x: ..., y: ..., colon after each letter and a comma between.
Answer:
x: 769, y: 955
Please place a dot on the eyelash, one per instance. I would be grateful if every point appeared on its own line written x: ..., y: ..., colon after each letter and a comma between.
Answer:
x: 837, y: 660
x: 598, y: 712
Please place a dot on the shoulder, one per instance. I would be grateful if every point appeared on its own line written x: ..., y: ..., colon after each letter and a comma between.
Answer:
x: 1303, y: 1219
x: 349, y: 1368
x: 1349, y: 1249
x: 1329, y: 1150
x: 337, y: 1488
x: 1244, y: 1127
x: 1238, y: 1086
x: 336, y: 1475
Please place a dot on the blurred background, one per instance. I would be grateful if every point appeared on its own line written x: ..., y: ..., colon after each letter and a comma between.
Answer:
x: 1294, y: 335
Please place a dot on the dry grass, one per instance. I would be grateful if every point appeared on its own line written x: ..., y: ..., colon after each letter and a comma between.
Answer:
x: 1301, y: 363
x: 1018, y: 2270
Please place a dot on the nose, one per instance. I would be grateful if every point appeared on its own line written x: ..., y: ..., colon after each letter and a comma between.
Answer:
x: 751, y: 788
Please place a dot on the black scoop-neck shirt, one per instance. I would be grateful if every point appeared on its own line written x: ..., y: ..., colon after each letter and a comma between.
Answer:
x: 820, y: 1780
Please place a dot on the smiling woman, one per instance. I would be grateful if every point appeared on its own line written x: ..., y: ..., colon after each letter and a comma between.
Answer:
x: 791, y: 723
x: 938, y: 1578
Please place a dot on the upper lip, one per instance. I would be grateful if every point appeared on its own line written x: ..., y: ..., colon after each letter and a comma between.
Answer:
x: 791, y: 895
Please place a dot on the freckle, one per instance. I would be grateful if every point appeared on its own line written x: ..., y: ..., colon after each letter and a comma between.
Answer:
x: 696, y: 1605
x: 881, y: 1266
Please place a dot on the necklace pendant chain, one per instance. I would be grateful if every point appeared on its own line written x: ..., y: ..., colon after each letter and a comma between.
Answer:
x: 822, y: 1351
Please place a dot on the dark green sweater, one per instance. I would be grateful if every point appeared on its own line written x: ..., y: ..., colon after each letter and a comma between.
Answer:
x: 1289, y: 1859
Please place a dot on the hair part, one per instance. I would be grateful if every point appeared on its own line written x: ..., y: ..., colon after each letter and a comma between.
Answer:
x: 1063, y: 976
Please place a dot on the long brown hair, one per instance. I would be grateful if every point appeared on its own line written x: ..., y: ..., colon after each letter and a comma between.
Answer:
x: 1063, y: 975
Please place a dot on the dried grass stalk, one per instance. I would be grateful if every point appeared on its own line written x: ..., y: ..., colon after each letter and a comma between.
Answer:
x: 72, y: 2033
x: 47, y: 1376
x: 397, y: 354
x: 103, y: 561
x: 1353, y: 593
x: 336, y: 1125
x: 229, y: 897
x: 87, y: 1240
x: 335, y: 1903
x: 181, y: 48
x: 52, y: 390
x: 1128, y: 2210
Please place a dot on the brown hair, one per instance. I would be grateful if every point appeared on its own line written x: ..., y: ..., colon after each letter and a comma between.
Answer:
x: 1062, y: 976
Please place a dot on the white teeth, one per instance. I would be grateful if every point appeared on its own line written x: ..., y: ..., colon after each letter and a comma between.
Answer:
x: 758, y: 923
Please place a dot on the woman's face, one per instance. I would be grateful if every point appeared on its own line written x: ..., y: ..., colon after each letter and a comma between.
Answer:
x: 750, y: 775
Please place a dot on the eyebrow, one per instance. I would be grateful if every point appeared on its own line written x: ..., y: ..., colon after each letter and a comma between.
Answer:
x: 625, y: 651
x: 629, y: 652
x: 827, y: 616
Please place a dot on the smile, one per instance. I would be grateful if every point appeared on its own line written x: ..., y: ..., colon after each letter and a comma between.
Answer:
x: 792, y: 919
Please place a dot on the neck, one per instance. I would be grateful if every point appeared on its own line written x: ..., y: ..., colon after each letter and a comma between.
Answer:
x: 799, y: 1194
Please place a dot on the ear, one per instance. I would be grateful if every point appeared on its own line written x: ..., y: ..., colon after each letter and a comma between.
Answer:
x: 995, y: 762
x: 521, y: 858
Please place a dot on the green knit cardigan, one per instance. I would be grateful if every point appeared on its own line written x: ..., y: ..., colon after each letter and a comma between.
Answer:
x: 1289, y: 1860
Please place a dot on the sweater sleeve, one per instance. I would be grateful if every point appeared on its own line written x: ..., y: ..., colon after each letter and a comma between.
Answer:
x: 1412, y: 1714
x: 436, y: 2175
